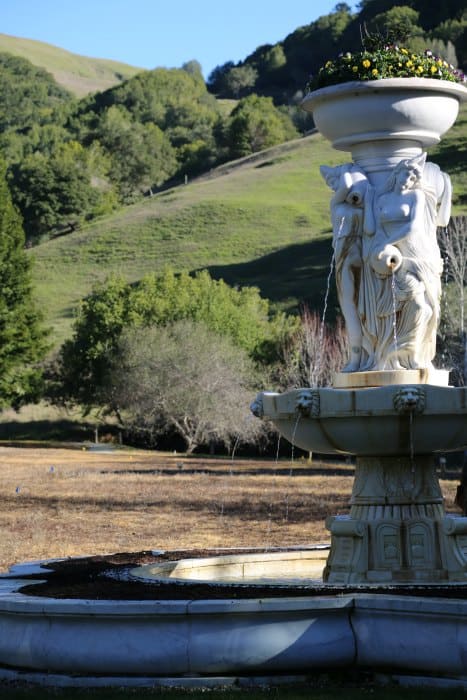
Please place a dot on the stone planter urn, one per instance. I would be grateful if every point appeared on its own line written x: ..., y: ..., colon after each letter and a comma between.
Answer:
x: 385, y: 120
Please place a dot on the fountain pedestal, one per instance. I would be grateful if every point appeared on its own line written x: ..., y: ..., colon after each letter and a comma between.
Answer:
x: 397, y: 530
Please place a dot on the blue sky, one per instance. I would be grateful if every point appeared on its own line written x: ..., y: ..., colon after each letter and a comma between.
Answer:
x: 153, y: 33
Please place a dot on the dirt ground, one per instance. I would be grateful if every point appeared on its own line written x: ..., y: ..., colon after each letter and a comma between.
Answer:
x: 69, y: 502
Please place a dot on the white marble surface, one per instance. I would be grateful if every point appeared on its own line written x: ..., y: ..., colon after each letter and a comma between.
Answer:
x: 210, y: 642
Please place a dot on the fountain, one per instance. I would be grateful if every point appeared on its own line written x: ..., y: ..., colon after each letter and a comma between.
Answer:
x: 389, y: 406
x: 390, y: 592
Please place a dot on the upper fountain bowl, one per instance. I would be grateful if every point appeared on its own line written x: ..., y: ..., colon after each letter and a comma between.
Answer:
x: 387, y: 420
x: 420, y: 110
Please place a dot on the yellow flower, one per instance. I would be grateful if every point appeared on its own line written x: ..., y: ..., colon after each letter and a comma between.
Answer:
x: 433, y: 69
x: 355, y: 69
x: 328, y: 64
x: 409, y: 64
x: 366, y: 63
x: 374, y: 71
x: 420, y: 69
x: 404, y: 51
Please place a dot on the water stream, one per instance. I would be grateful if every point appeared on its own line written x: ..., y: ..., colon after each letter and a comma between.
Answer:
x: 292, y: 460
x: 317, y: 365
x: 394, y: 316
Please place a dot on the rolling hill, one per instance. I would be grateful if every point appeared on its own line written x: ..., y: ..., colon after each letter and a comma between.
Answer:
x: 262, y: 220
x: 80, y: 75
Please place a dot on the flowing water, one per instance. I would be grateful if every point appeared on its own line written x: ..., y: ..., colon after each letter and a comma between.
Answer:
x: 394, y: 315
x: 292, y: 460
x: 317, y: 365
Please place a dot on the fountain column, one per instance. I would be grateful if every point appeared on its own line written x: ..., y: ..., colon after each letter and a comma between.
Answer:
x: 395, y: 528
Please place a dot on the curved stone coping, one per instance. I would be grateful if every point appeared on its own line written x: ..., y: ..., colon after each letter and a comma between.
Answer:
x: 290, y: 567
x: 172, y: 638
x: 170, y: 642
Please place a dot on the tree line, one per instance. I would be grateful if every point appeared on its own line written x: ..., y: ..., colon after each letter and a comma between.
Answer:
x: 69, y: 161
x: 176, y: 359
x: 282, y: 70
x: 173, y: 358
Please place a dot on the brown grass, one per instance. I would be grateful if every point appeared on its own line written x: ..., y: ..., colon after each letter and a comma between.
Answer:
x: 68, y: 502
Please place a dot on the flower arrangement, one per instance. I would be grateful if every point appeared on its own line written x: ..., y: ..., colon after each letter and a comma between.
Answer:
x: 380, y: 59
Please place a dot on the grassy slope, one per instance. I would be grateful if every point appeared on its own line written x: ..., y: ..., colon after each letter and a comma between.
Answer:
x: 78, y: 74
x: 263, y: 220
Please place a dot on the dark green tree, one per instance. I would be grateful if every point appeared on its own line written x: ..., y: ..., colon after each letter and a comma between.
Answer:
x: 256, y: 124
x: 28, y: 94
x: 22, y: 338
x: 54, y: 193
x: 217, y: 79
x: 141, y: 154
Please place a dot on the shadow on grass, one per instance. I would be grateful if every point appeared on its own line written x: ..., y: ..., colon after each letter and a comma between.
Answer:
x: 294, y: 275
x: 333, y: 684
x: 256, y: 471
x: 45, y: 430
x: 290, y: 507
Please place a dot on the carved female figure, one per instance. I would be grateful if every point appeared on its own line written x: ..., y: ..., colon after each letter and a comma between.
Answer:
x: 349, y: 183
x: 406, y: 265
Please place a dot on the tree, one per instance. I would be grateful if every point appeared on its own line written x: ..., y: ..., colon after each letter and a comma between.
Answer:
x: 28, y: 94
x: 256, y: 124
x: 183, y: 379
x: 54, y: 192
x: 453, y: 244
x: 115, y: 307
x: 193, y: 67
x: 240, y: 80
x: 313, y: 354
x: 141, y: 154
x: 217, y: 82
x: 22, y: 339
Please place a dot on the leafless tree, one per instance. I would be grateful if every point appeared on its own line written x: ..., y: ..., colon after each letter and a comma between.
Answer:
x: 453, y: 244
x: 315, y: 353
x: 185, y: 379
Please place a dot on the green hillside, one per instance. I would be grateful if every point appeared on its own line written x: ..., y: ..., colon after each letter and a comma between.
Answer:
x: 267, y: 205
x: 262, y: 220
x: 80, y: 75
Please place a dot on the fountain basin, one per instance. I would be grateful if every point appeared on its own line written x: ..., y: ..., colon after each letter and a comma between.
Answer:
x: 387, y: 420
x: 293, y: 566
x: 215, y: 639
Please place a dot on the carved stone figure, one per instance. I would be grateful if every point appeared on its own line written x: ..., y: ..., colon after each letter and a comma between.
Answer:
x: 388, y: 263
x: 349, y: 183
x: 407, y: 294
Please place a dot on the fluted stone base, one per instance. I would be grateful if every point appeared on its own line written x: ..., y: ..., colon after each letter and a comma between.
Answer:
x: 397, y: 530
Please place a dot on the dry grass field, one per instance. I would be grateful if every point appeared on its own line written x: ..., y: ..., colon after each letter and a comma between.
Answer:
x: 67, y: 502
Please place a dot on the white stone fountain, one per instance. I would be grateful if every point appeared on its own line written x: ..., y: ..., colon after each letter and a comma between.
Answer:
x: 398, y: 563
x: 389, y: 406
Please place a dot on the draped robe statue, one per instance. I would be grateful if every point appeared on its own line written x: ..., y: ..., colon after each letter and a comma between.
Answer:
x: 388, y: 263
